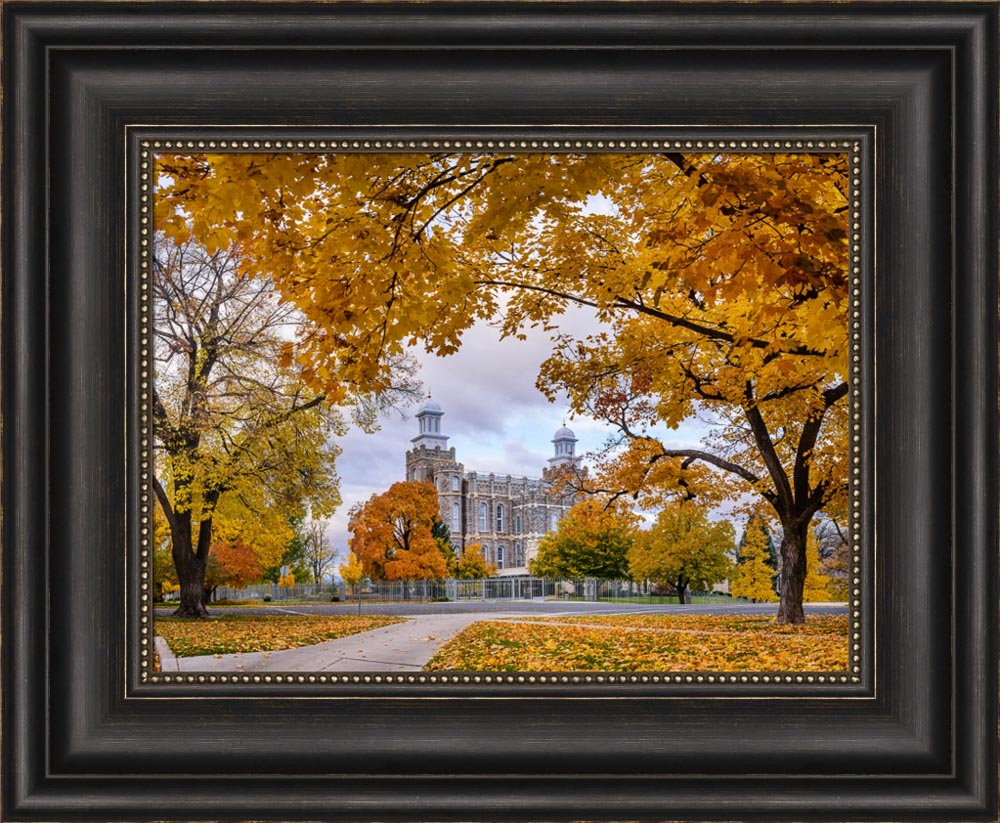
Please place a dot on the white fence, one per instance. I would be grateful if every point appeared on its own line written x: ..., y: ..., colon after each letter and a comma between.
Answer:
x: 513, y: 587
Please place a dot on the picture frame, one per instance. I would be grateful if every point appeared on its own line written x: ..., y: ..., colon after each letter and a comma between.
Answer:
x: 913, y: 737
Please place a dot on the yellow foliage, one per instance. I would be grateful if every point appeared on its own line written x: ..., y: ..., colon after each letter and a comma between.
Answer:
x: 754, y: 577
x: 817, y: 585
x: 473, y: 565
x: 351, y: 570
x: 721, y: 281
x: 653, y: 643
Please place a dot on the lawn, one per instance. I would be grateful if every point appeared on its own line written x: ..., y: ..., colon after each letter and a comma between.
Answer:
x: 647, y: 643
x: 229, y: 633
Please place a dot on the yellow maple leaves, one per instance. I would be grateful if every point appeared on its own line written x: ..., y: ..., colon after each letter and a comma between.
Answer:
x: 721, y: 279
x: 657, y: 643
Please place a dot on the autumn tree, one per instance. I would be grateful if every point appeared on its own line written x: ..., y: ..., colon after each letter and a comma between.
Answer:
x: 756, y: 564
x: 236, y: 565
x: 231, y: 424
x: 353, y: 573
x: 391, y: 533
x: 683, y: 549
x: 590, y: 541
x: 721, y: 279
x: 472, y: 564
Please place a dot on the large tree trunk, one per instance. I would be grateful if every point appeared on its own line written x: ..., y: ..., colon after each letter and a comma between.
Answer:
x: 793, y: 575
x: 192, y: 595
x: 681, y: 589
x: 190, y: 570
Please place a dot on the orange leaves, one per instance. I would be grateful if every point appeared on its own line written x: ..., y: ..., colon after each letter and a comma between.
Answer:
x: 231, y: 633
x: 391, y: 534
x: 653, y: 643
x: 238, y: 565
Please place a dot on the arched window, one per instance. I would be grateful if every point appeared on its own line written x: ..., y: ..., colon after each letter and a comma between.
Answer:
x: 554, y: 521
x: 482, y: 517
x: 518, y: 554
x: 454, y: 482
x: 499, y: 517
x: 456, y: 516
x: 499, y: 557
x: 517, y: 524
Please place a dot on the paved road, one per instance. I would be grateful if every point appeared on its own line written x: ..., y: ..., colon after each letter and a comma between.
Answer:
x: 409, y: 646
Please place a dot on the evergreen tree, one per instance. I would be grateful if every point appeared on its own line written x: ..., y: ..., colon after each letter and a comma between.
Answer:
x: 756, y: 562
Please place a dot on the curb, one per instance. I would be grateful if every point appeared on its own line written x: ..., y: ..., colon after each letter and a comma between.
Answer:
x: 168, y: 662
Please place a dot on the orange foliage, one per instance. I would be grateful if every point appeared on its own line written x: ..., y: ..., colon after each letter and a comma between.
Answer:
x: 391, y: 534
x: 233, y: 564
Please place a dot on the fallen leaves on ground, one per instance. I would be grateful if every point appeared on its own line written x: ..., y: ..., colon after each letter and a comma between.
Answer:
x: 647, y: 643
x: 231, y: 633
x: 828, y: 625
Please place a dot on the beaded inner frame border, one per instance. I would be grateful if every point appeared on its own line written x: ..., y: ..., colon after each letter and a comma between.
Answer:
x: 147, y: 151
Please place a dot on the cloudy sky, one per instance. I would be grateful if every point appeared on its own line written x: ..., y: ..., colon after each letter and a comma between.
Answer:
x: 494, y: 416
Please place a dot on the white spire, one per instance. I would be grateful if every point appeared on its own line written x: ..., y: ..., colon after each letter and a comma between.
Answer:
x: 429, y: 417
x: 565, y: 447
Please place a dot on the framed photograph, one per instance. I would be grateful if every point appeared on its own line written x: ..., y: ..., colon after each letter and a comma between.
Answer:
x: 500, y: 411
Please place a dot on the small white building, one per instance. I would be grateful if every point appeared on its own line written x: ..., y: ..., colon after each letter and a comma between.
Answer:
x: 507, y: 515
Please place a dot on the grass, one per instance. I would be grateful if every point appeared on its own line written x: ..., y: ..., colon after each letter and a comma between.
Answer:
x: 702, y: 643
x: 230, y: 633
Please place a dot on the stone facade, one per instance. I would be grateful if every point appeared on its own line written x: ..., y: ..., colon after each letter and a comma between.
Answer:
x: 507, y: 515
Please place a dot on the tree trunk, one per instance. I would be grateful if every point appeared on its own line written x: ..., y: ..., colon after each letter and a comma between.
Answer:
x: 192, y: 593
x: 793, y: 575
x: 190, y: 574
x: 681, y: 588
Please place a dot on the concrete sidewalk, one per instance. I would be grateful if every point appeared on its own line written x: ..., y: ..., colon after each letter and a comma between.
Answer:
x: 397, y: 648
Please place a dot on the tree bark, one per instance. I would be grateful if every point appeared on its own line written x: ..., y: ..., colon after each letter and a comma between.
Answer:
x: 192, y: 585
x: 190, y: 570
x: 681, y: 588
x: 793, y: 574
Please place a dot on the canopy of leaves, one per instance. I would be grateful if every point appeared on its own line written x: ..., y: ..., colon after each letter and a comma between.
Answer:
x: 683, y: 548
x: 591, y: 541
x: 391, y: 534
x: 722, y: 278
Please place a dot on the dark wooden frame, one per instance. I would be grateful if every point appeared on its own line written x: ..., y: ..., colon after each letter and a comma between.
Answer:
x: 83, y: 739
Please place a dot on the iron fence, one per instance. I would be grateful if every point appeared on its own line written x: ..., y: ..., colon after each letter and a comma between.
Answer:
x: 509, y: 587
